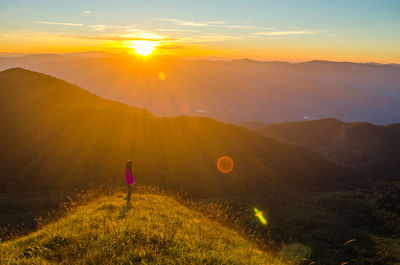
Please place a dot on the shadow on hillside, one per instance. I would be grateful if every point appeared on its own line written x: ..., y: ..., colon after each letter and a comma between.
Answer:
x: 315, y: 234
x: 125, y: 209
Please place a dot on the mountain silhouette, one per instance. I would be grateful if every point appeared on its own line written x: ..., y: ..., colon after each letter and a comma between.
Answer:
x: 371, y: 149
x: 58, y: 136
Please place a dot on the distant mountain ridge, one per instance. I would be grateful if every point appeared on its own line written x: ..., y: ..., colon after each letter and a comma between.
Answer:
x: 372, y: 149
x: 232, y: 91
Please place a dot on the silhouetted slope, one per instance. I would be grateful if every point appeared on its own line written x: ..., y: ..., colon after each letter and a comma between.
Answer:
x: 375, y: 150
x: 56, y: 135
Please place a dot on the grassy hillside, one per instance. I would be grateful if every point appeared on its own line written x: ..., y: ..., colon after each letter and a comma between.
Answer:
x: 371, y: 149
x: 57, y: 135
x: 153, y: 229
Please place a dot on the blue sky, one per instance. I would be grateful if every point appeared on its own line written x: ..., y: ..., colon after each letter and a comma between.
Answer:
x: 289, y: 30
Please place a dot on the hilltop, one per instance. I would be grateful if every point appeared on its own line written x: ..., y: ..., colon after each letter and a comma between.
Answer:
x: 154, y: 229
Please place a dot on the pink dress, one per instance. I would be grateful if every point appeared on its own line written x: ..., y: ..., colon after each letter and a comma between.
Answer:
x: 129, y: 178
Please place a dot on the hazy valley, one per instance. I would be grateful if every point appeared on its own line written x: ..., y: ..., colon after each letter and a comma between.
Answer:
x: 231, y: 91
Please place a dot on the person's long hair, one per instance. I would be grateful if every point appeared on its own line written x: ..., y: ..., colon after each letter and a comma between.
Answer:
x: 129, y: 165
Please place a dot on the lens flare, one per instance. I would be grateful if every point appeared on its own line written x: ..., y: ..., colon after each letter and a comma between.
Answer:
x: 225, y: 164
x: 260, y: 216
x: 162, y: 76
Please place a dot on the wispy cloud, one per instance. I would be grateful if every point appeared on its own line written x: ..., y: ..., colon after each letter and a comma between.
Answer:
x: 182, y: 22
x: 101, y: 27
x: 171, y: 46
x: 89, y: 12
x: 177, y: 30
x: 60, y: 23
x: 148, y: 36
x: 143, y: 35
x: 285, y: 33
x: 210, y: 37
x: 247, y: 27
x: 218, y: 22
x: 240, y: 27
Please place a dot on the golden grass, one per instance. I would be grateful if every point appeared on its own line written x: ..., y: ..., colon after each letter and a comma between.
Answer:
x: 154, y: 229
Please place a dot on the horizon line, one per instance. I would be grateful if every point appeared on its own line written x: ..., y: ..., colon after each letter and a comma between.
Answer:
x: 192, y: 58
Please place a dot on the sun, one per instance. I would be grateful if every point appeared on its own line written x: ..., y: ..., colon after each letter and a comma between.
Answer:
x: 143, y: 47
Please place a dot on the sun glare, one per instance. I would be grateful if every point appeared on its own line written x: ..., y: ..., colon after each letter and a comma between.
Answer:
x: 143, y: 47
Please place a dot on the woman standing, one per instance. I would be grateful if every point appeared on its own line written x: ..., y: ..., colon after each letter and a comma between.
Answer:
x: 129, y: 178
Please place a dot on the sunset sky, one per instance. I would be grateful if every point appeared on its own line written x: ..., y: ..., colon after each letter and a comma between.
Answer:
x: 357, y: 30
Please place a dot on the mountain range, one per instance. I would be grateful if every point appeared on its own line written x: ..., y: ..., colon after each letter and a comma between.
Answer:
x: 371, y: 149
x: 231, y: 91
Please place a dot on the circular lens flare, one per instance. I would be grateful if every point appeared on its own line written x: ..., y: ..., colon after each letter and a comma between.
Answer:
x: 225, y: 164
x: 162, y: 76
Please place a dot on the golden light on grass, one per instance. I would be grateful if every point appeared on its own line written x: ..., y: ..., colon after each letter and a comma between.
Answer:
x: 225, y: 164
x: 143, y: 47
